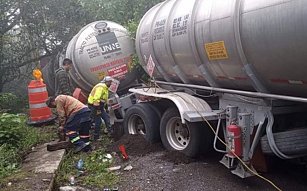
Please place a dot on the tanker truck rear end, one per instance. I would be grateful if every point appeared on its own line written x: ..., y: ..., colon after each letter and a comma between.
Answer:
x: 100, y: 48
x: 228, y: 69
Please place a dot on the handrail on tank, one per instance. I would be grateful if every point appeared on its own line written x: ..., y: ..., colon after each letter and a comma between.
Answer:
x: 239, y: 92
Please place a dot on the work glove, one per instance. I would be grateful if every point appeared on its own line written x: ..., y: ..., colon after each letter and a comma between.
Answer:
x: 61, y: 134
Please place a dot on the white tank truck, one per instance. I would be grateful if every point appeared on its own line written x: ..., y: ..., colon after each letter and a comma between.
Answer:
x: 237, y: 65
x: 100, y: 48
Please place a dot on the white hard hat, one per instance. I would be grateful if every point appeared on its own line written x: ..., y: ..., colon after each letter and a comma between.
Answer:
x: 107, y: 79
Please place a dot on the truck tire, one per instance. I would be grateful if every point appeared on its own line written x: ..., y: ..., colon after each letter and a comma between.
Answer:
x: 185, y: 138
x: 207, y: 137
x: 142, y: 119
x: 292, y: 142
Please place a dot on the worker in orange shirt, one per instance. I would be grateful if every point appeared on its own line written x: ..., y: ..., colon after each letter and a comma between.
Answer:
x: 74, y: 119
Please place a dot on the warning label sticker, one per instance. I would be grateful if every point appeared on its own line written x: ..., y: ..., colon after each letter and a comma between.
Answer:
x: 216, y: 50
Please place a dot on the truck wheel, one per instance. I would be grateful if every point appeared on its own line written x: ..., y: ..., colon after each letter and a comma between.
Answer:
x: 142, y: 119
x: 185, y: 138
x: 292, y: 142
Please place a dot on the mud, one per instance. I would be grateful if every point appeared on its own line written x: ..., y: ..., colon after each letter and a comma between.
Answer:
x: 154, y: 168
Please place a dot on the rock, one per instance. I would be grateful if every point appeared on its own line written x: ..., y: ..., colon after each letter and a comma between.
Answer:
x: 128, y: 168
x: 114, y: 168
x: 46, y: 180
x: 73, y: 188
x: 105, y: 160
x: 108, y: 156
x: 176, y: 170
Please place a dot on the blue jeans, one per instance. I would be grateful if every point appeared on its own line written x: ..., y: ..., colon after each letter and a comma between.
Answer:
x: 97, y: 118
x: 77, y: 127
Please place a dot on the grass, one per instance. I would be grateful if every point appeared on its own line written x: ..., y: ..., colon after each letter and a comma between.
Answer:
x: 95, y: 173
x: 11, y: 156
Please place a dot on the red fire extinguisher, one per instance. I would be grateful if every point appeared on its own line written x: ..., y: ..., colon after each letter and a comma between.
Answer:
x: 234, y: 140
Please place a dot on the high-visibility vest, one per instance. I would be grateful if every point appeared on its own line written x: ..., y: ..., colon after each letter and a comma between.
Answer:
x: 99, y: 93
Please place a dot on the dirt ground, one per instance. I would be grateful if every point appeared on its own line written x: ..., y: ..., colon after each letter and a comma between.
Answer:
x: 157, y: 169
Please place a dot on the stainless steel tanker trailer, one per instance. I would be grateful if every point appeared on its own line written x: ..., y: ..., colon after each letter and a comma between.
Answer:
x: 100, y: 48
x: 229, y: 69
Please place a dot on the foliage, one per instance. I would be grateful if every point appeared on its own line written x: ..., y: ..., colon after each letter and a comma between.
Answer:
x: 11, y: 129
x: 31, y: 30
x: 16, y: 139
x: 11, y: 103
x: 125, y: 12
x: 8, y: 160
x: 95, y: 168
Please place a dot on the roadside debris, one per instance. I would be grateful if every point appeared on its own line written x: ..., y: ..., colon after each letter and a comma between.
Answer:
x: 80, y: 164
x: 114, y: 168
x: 73, y: 188
x: 110, y: 189
x: 108, y: 156
x: 72, y: 180
x: 128, y: 168
x: 122, y: 149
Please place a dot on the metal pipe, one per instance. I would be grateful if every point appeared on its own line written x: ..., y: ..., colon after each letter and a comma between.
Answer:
x: 256, y: 139
x: 215, y: 137
x: 239, y: 92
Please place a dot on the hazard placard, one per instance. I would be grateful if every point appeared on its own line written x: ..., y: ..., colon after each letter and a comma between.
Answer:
x: 216, y: 50
x: 114, y: 85
x: 150, y: 66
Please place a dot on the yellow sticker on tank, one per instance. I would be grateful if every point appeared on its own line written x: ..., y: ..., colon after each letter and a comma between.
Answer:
x: 216, y: 50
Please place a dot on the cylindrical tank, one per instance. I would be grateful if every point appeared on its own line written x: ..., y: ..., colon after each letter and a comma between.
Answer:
x: 255, y: 45
x: 101, y: 48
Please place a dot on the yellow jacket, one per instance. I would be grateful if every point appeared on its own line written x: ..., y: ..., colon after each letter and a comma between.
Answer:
x: 99, y: 93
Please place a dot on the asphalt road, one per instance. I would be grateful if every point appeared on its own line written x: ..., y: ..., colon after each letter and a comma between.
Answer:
x: 157, y: 169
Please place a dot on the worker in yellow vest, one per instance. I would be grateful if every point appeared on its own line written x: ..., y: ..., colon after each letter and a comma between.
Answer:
x: 97, y: 102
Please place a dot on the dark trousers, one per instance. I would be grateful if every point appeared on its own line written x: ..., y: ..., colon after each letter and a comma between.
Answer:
x: 78, y: 126
x: 98, y: 113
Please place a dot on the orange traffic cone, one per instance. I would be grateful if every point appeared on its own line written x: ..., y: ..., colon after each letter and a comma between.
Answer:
x: 39, y: 112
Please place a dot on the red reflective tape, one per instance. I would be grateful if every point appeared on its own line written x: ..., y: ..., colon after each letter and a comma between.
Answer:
x: 222, y: 77
x: 241, y: 78
x: 280, y: 81
x: 116, y: 106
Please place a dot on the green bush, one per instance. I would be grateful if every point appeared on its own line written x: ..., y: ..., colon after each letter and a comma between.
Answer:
x: 11, y: 129
x: 17, y: 139
x: 9, y: 160
x: 11, y: 103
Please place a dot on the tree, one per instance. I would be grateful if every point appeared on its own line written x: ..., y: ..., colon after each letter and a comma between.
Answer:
x: 124, y: 12
x: 33, y: 29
